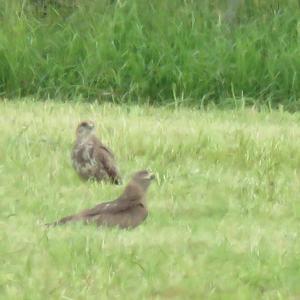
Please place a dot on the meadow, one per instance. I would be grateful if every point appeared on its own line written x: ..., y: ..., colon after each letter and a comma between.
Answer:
x: 224, y: 210
x: 160, y: 52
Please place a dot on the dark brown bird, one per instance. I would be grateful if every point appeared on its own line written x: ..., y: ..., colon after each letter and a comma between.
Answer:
x: 127, y: 211
x: 91, y: 159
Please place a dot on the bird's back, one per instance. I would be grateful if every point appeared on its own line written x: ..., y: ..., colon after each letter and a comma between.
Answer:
x: 129, y: 218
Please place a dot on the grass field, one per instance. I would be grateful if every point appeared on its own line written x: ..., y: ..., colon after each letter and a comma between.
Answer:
x: 224, y: 211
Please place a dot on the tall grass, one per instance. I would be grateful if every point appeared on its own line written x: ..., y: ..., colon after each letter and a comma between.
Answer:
x: 151, y: 51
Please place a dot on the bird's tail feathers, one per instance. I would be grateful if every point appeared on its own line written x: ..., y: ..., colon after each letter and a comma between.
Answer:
x: 62, y: 221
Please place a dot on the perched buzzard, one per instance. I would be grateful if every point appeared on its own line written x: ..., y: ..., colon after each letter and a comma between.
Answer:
x: 90, y: 158
x: 127, y: 211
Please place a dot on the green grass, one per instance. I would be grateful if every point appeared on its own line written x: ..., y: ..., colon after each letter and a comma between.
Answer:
x: 142, y: 51
x: 224, y: 211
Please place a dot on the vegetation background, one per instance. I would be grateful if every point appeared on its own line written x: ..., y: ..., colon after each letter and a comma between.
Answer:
x: 224, y: 211
x: 195, y: 52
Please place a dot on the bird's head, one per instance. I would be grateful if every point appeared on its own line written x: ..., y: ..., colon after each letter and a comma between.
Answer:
x: 85, y: 128
x: 143, y: 179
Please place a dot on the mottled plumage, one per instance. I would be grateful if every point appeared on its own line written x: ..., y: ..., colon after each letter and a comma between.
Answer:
x: 90, y: 158
x: 127, y: 211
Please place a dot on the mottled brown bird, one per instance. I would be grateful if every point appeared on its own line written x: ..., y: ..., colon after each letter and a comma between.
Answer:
x: 127, y: 211
x: 90, y: 158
